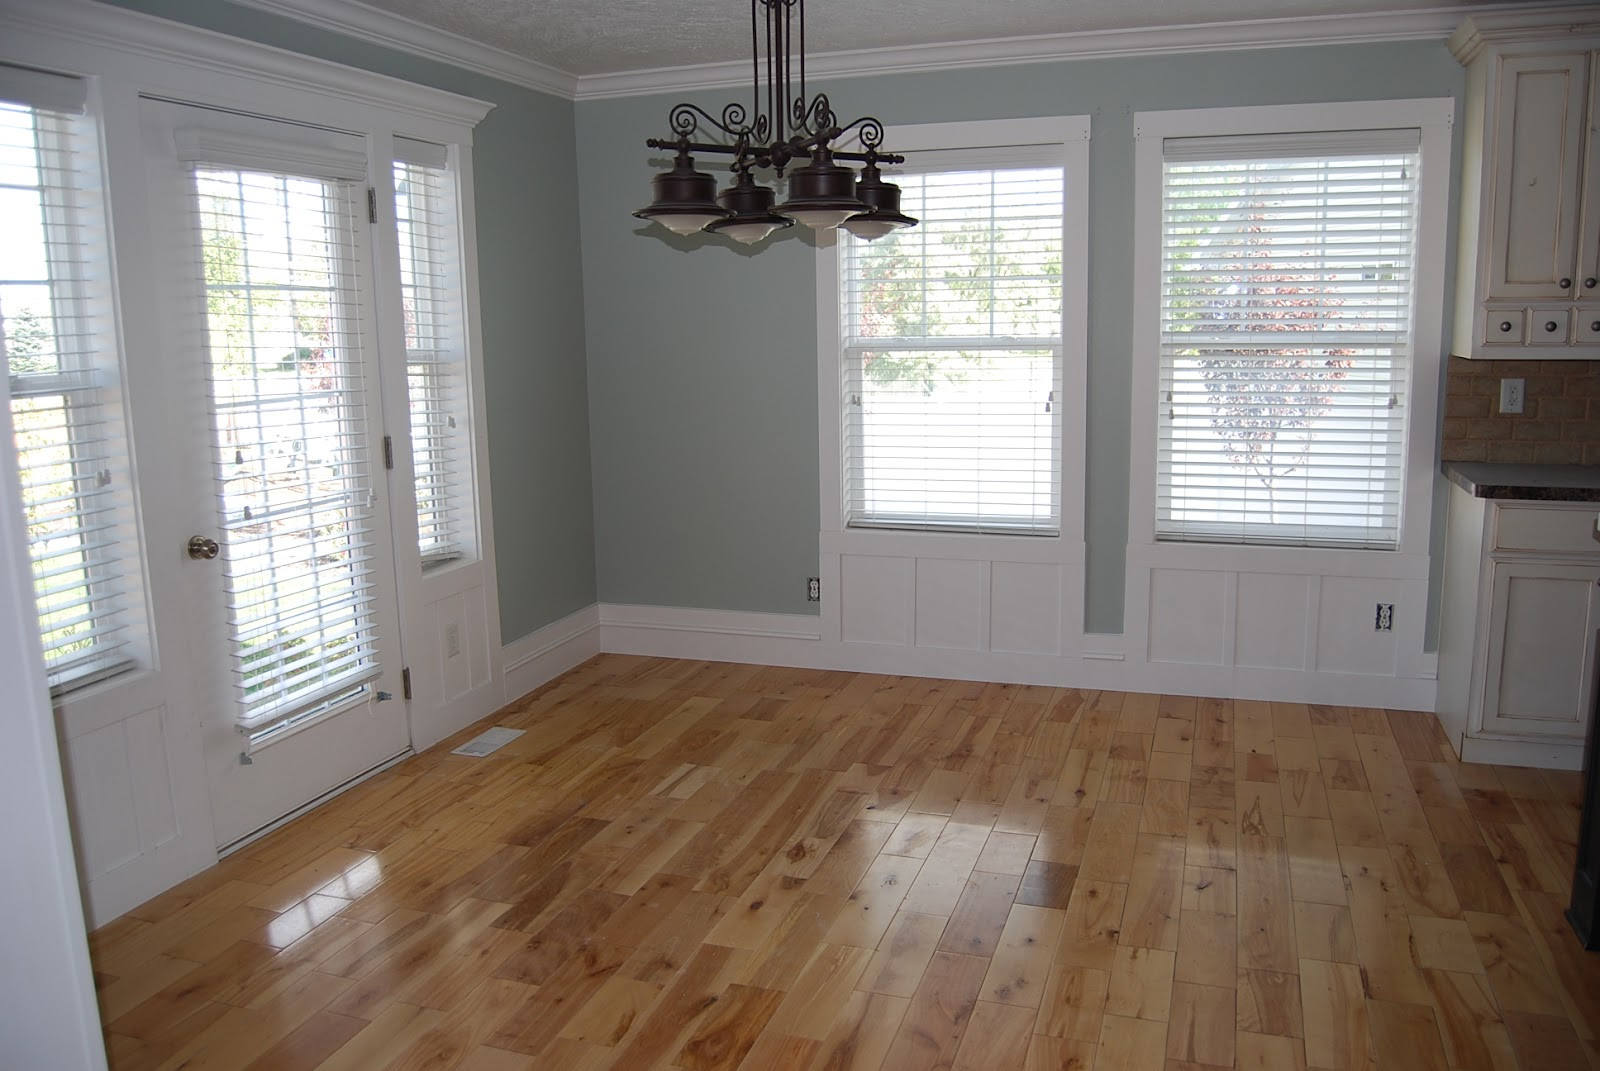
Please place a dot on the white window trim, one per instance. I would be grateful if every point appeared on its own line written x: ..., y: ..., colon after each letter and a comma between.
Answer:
x: 1070, y: 136
x: 1433, y: 117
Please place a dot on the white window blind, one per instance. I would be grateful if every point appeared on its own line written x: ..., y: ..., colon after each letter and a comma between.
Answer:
x: 295, y: 483
x: 1287, y: 286
x: 63, y: 368
x: 430, y: 279
x: 952, y: 356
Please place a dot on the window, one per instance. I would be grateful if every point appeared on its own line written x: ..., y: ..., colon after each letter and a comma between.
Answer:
x: 1288, y: 285
x: 62, y: 365
x: 951, y: 355
x: 436, y: 380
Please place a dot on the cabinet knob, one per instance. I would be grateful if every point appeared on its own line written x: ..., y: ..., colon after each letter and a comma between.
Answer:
x: 1505, y: 325
x: 1595, y: 326
x: 1565, y: 284
x: 1550, y: 325
x: 1590, y: 283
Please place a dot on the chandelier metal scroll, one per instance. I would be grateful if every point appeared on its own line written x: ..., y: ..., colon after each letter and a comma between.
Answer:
x: 781, y: 125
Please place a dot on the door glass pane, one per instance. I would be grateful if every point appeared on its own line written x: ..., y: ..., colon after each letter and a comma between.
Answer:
x: 294, y: 482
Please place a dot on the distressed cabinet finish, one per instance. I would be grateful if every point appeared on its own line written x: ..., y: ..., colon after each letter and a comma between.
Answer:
x: 1529, y: 275
x: 1540, y: 653
x: 1517, y: 630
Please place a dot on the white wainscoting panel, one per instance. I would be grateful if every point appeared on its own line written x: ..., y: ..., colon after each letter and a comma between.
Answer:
x: 1025, y: 602
x: 1272, y: 621
x: 102, y: 799
x: 877, y: 599
x: 1347, y: 637
x: 1188, y: 616
x: 951, y: 610
x: 468, y: 668
x: 1099, y: 661
x: 139, y: 817
x: 451, y: 691
x: 1285, y: 623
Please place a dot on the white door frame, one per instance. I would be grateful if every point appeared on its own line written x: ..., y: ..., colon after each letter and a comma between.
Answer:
x: 48, y: 1016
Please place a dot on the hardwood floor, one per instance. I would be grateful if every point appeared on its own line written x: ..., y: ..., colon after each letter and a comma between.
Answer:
x: 717, y: 866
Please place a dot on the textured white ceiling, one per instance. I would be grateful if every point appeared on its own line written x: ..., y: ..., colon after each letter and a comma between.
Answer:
x: 603, y: 36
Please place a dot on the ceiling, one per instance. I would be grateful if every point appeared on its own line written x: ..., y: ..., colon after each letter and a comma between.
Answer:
x: 591, y: 37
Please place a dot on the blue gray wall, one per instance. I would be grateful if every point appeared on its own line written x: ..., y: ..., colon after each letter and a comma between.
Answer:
x: 532, y: 293
x: 702, y: 359
x: 653, y: 418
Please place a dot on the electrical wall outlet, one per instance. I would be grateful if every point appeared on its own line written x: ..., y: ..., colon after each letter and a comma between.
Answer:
x: 1385, y: 618
x: 452, y: 640
x: 813, y: 589
x: 1512, y: 393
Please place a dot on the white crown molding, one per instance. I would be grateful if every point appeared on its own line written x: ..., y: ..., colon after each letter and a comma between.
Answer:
x: 1422, y: 24
x: 135, y: 33
x: 369, y: 24
x: 1523, y: 27
x: 362, y: 22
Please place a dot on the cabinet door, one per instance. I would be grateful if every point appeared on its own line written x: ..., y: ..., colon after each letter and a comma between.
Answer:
x: 1538, y: 147
x: 1588, y: 282
x: 1541, y: 648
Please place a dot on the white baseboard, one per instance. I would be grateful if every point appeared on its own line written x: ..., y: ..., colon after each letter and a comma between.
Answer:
x: 796, y: 640
x: 1544, y: 754
x: 712, y: 635
x: 549, y: 652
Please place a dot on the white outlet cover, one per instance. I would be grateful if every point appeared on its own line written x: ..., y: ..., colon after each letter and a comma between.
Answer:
x: 1512, y: 393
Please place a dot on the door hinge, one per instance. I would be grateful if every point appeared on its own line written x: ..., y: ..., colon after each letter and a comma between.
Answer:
x: 372, y: 204
x: 405, y: 682
x: 388, y: 451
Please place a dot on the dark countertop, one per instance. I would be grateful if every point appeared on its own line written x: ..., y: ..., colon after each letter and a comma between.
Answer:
x: 1533, y: 483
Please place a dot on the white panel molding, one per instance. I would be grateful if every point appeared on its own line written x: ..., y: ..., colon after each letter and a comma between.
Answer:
x: 548, y: 652
x: 1432, y: 24
x: 798, y: 640
x: 418, y: 39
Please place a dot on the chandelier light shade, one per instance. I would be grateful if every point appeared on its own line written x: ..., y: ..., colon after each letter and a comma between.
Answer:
x: 752, y: 217
x: 686, y: 199
x: 782, y: 125
x: 883, y: 200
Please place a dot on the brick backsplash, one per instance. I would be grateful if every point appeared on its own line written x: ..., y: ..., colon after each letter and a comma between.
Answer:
x: 1559, y: 423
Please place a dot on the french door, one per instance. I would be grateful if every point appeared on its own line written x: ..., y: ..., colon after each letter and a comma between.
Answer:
x: 285, y: 543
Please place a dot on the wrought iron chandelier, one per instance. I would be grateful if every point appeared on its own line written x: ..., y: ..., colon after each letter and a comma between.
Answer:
x: 781, y: 125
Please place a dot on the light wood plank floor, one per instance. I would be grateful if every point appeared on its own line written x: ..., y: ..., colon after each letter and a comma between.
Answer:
x: 716, y: 866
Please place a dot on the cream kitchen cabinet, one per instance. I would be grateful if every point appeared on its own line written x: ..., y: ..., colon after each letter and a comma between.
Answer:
x: 1518, y: 625
x: 1528, y: 282
x: 1540, y: 652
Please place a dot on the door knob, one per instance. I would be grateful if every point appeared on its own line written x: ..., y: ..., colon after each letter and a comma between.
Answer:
x: 203, y: 548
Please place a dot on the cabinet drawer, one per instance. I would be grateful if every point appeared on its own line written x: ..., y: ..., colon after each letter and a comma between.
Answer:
x: 1549, y: 327
x: 1503, y: 326
x: 1589, y: 326
x: 1543, y: 528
